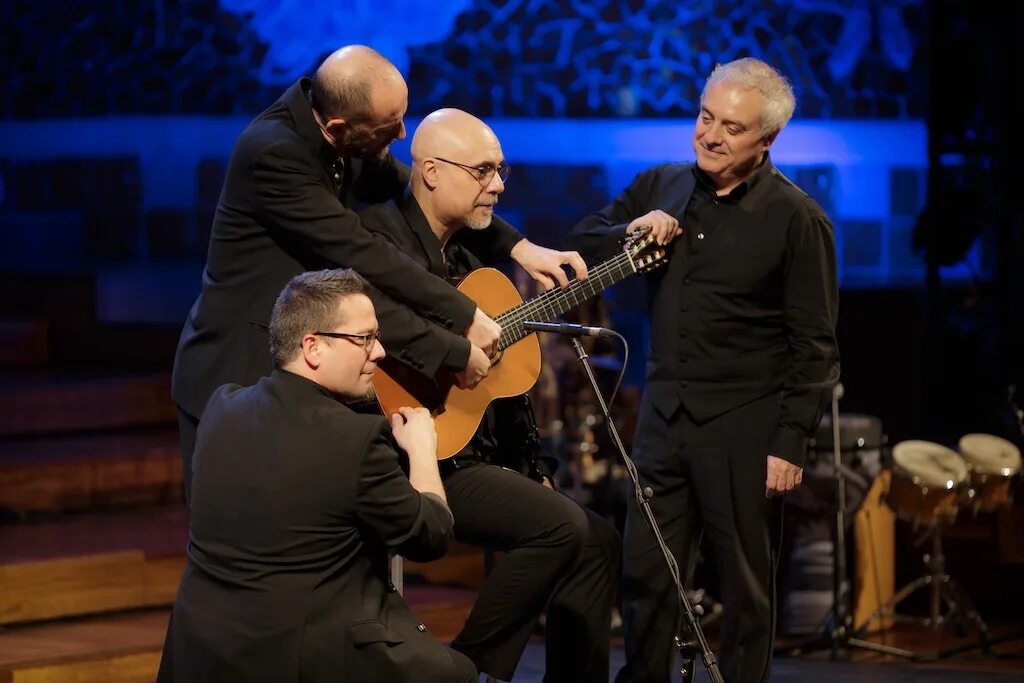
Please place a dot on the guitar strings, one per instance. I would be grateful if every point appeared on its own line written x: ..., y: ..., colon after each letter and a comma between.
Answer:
x: 556, y: 301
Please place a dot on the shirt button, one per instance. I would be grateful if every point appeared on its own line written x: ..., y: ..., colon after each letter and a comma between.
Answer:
x: 684, y: 383
x: 700, y: 235
x: 686, y: 281
x: 685, y: 308
x: 421, y: 628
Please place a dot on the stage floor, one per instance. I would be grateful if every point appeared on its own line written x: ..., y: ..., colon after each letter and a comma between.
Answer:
x: 861, y: 665
x: 802, y: 669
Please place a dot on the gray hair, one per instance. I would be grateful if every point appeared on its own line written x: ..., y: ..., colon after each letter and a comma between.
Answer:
x: 753, y: 74
x: 309, y: 303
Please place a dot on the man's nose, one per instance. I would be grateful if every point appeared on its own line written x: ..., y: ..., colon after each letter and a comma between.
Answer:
x: 377, y: 352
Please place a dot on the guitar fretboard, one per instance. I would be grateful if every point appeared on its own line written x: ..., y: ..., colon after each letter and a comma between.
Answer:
x: 553, y: 303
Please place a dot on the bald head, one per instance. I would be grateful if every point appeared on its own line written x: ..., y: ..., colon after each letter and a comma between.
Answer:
x: 345, y: 83
x: 455, y: 177
x: 450, y: 133
x: 359, y: 100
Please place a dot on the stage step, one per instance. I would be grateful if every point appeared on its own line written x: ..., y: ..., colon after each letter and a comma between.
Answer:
x: 35, y: 405
x: 90, y: 564
x: 90, y: 472
x: 121, y: 648
x: 125, y: 648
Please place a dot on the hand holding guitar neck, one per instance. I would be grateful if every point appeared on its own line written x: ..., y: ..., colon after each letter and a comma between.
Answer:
x: 458, y: 402
x: 661, y: 226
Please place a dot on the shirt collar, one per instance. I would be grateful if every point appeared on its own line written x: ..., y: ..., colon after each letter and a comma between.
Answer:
x: 738, y: 192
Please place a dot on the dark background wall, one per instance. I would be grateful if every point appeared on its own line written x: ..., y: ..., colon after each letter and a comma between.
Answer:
x: 119, y: 116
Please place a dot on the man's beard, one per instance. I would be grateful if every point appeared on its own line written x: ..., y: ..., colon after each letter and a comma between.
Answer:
x: 479, y: 223
x: 358, y: 143
x: 369, y: 396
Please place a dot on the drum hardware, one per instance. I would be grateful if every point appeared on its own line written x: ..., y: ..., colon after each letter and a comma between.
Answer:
x: 928, y: 484
x: 840, y: 633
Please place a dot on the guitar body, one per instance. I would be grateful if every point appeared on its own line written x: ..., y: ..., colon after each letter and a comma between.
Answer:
x: 458, y: 412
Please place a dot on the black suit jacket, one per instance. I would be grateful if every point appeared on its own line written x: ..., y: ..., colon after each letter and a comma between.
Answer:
x: 507, y: 434
x: 280, y: 213
x: 296, y: 500
x: 741, y: 312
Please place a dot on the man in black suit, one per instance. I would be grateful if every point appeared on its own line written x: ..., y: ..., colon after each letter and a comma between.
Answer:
x: 296, y: 501
x: 558, y: 554
x: 743, y: 357
x: 286, y: 207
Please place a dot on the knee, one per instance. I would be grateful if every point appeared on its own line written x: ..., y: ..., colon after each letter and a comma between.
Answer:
x: 569, y: 532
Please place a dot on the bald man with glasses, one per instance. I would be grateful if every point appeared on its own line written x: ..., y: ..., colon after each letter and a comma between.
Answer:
x: 559, y: 556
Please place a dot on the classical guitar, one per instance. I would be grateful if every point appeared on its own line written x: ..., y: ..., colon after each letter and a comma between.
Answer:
x: 516, y: 365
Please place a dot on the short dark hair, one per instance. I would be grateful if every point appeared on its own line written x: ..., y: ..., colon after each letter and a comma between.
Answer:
x: 309, y: 303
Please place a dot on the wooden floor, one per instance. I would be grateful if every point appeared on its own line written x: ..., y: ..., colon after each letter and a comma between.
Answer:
x: 93, y: 532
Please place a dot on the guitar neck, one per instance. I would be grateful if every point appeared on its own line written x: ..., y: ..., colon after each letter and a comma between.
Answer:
x: 554, y: 303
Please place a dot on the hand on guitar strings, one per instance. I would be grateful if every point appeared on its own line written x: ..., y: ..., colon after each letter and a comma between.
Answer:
x: 483, y: 332
x: 477, y: 368
x: 545, y: 265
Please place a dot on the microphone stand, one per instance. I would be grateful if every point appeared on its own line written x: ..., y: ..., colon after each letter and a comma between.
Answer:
x: 694, y: 635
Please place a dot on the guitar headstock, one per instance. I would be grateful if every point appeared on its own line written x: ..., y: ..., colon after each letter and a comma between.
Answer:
x: 644, y: 252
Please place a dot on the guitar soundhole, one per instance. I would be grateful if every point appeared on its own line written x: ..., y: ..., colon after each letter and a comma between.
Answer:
x: 497, y: 358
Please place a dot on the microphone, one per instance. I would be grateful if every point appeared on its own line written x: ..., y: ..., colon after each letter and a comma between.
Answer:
x: 568, y: 329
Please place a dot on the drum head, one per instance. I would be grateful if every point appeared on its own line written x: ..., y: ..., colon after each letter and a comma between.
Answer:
x: 930, y: 464
x: 990, y: 454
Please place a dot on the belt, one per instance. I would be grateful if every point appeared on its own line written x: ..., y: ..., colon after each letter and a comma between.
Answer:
x: 457, y: 462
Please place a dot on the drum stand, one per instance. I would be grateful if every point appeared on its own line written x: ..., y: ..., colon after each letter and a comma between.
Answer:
x: 943, y: 591
x: 840, y: 633
x: 984, y: 643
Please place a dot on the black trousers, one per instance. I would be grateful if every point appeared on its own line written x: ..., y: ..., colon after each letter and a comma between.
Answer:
x: 708, y: 479
x: 560, y: 556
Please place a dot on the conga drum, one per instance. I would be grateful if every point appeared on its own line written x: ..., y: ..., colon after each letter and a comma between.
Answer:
x: 993, y: 463
x: 927, y: 483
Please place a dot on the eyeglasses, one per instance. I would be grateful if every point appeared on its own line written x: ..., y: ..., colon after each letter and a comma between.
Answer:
x: 483, y: 173
x: 364, y: 340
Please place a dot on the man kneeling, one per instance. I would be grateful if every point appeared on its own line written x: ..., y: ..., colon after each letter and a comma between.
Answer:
x: 296, y: 501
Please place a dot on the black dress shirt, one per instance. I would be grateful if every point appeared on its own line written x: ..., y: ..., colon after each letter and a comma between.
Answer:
x: 748, y: 302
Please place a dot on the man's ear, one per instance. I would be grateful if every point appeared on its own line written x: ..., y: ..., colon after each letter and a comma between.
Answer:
x: 769, y: 139
x: 311, y: 348
x: 334, y: 127
x: 429, y: 172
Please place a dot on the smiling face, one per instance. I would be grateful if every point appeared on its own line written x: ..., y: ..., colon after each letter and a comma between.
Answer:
x: 728, y: 138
